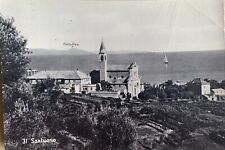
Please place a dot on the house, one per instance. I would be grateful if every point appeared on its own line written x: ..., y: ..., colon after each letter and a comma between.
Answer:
x: 218, y: 94
x: 88, y: 88
x: 199, y: 87
x: 179, y: 83
x: 31, y: 72
x: 123, y: 78
x: 69, y: 81
x: 205, y: 88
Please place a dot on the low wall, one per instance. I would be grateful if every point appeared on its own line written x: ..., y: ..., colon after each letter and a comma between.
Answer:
x: 113, y: 94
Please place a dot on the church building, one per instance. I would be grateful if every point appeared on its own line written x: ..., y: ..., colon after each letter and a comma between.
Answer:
x: 123, y: 78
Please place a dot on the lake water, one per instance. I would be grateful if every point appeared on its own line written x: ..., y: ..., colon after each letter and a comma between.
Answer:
x: 182, y: 65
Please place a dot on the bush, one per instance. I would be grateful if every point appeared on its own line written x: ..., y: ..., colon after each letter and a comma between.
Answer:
x: 115, y: 131
x: 80, y: 126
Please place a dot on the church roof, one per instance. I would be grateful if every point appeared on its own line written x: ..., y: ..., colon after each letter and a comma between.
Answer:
x: 118, y: 81
x: 69, y: 74
x: 117, y: 68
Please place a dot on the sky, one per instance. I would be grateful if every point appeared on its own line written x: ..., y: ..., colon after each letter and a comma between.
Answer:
x: 150, y: 26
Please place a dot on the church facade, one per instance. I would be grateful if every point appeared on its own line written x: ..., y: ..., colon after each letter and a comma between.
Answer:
x: 123, y: 78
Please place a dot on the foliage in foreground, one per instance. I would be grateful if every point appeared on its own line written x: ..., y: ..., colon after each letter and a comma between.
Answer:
x: 13, y: 50
x: 115, y: 131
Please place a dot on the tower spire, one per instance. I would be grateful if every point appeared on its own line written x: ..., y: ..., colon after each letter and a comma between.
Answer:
x: 103, y: 62
x: 102, y: 47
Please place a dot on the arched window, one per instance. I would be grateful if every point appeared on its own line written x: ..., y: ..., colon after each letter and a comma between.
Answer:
x: 102, y: 57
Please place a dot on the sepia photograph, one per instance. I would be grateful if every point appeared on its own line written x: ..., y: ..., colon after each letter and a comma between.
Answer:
x: 113, y: 75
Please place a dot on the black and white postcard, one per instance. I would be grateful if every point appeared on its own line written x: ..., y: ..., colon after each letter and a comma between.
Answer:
x: 113, y: 75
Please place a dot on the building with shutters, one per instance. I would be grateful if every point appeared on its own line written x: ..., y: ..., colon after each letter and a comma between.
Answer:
x: 70, y: 81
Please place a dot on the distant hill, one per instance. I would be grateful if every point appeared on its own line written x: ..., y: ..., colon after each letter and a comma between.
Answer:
x: 144, y: 52
x: 72, y: 51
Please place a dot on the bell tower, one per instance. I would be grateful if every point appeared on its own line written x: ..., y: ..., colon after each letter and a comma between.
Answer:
x: 102, y: 62
x: 134, y: 81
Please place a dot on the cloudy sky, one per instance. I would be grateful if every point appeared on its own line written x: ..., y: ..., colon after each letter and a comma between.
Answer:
x: 154, y: 25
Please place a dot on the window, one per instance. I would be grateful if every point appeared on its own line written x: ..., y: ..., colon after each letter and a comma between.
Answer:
x: 114, y: 78
x: 62, y: 81
x: 122, y: 77
x: 110, y: 77
x: 102, y: 57
x: 34, y: 81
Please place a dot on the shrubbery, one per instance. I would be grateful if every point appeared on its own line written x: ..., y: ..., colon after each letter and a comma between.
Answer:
x: 167, y: 91
x: 115, y: 131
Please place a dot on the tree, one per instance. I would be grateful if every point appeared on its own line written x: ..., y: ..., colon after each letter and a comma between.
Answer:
x: 28, y: 125
x: 106, y: 86
x: 144, y: 95
x: 115, y: 131
x: 13, y: 50
x: 80, y: 126
x: 189, y: 94
x: 169, y: 83
x: 19, y: 90
x: 213, y: 83
x: 40, y: 87
x: 172, y: 91
x: 222, y: 84
x: 162, y: 94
